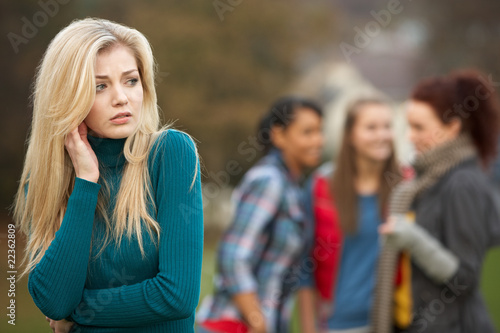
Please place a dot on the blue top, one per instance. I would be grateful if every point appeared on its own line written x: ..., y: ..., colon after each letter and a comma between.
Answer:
x: 120, y: 291
x: 356, y: 278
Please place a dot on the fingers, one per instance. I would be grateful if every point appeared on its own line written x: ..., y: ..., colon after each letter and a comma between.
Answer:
x: 384, y: 229
x: 76, y: 135
x: 71, y: 137
x: 82, y: 156
x: 387, y: 227
x: 83, y: 129
x: 61, y: 326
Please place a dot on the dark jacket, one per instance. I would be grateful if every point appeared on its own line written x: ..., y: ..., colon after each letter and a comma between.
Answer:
x: 462, y: 211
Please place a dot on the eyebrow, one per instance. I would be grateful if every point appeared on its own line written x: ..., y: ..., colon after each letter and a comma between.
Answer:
x: 123, y: 74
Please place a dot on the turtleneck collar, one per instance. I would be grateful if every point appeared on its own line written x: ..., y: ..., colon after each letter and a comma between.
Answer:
x: 109, y: 152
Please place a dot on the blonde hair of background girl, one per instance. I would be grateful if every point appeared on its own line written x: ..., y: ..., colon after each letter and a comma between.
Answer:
x: 64, y: 93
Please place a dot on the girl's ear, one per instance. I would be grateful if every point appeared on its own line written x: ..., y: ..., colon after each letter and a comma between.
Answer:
x: 278, y: 138
x: 455, y: 126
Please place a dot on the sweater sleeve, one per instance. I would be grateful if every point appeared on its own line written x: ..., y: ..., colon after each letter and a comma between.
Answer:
x: 465, y: 232
x: 173, y: 293
x: 258, y: 202
x: 57, y: 282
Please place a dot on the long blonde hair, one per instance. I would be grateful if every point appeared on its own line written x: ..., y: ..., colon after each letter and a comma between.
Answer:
x: 63, y: 95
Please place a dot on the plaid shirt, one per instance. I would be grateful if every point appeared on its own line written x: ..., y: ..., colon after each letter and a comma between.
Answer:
x: 261, y: 250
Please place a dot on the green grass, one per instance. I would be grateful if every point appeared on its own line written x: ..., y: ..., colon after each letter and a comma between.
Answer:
x: 489, y: 285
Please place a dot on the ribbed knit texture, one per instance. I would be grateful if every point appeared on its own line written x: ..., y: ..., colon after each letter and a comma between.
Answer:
x: 120, y: 291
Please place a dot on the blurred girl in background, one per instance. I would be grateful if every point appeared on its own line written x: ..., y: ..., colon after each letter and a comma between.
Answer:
x: 255, y: 284
x: 348, y: 204
x: 109, y: 201
x: 447, y: 217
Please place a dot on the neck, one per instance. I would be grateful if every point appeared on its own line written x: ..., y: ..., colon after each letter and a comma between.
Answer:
x: 367, y: 179
x: 293, y: 166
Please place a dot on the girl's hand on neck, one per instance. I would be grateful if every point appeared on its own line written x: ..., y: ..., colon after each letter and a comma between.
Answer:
x: 81, y: 154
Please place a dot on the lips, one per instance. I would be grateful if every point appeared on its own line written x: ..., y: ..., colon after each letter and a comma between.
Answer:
x: 121, y: 118
x: 121, y: 115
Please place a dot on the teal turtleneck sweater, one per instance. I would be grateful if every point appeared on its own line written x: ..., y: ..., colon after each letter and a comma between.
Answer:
x: 119, y: 290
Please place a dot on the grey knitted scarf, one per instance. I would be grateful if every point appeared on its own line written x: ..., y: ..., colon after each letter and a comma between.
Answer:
x: 430, y: 166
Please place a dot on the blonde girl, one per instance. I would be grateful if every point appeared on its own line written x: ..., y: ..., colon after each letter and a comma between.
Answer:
x: 109, y: 201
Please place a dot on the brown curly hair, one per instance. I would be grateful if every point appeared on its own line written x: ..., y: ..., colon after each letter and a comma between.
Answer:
x: 468, y: 96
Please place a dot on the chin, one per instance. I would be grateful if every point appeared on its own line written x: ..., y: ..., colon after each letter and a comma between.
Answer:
x: 113, y: 135
x: 420, y: 150
x: 381, y: 157
x: 119, y: 133
x: 311, y: 163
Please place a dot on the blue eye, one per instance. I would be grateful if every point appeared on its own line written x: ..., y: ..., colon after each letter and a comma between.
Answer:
x: 133, y: 82
x: 100, y: 87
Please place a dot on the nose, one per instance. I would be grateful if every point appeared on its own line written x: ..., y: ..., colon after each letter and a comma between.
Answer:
x: 410, y: 135
x: 388, y: 134
x: 321, y: 139
x: 119, y: 97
